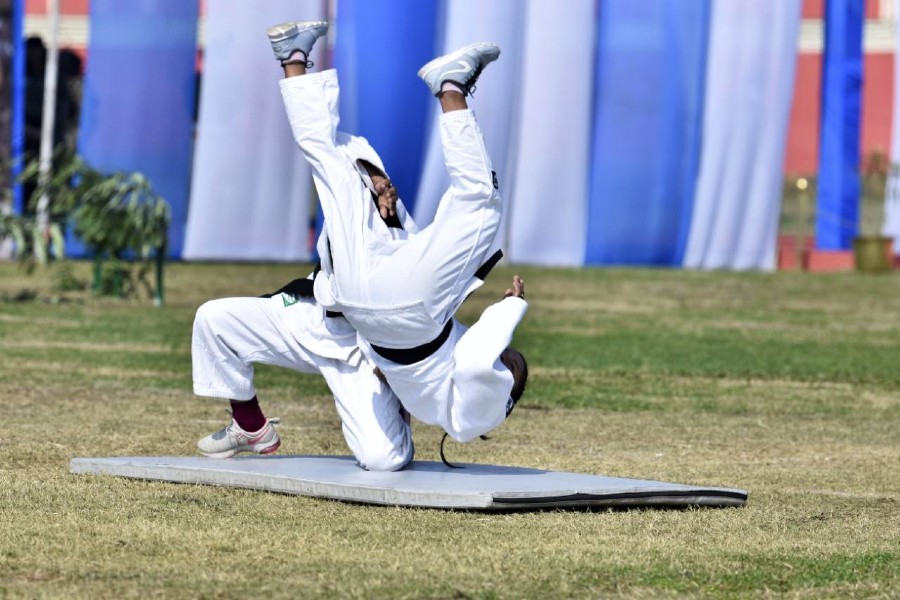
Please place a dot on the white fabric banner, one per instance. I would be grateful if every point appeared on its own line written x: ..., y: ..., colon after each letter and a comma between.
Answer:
x: 749, y: 86
x: 548, y: 199
x: 496, y: 101
x: 892, y: 191
x: 534, y: 107
x: 251, y: 190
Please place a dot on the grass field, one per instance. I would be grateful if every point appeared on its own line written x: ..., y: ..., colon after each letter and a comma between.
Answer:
x: 787, y: 385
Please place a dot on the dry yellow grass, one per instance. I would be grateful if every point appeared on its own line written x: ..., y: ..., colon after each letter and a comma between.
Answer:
x: 650, y: 374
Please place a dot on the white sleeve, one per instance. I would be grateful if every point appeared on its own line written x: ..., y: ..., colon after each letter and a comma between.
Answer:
x: 482, y: 344
x: 481, y: 383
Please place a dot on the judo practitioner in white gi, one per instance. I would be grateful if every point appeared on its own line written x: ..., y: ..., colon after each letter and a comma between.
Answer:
x: 232, y: 334
x: 400, y: 288
x: 292, y: 330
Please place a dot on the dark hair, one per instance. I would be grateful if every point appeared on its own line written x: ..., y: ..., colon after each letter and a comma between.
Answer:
x: 519, y: 380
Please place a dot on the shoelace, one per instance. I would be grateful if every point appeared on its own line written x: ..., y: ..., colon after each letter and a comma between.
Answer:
x: 447, y: 462
x: 475, y: 75
x: 306, y: 63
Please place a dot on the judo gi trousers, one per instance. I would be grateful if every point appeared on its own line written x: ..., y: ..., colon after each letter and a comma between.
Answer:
x: 232, y: 334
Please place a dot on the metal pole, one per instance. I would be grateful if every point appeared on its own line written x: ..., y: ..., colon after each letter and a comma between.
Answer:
x: 49, y: 114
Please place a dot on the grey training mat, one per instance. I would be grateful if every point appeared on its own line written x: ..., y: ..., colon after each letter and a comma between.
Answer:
x: 423, y: 484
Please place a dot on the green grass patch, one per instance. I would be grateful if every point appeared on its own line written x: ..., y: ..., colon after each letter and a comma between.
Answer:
x: 783, y: 384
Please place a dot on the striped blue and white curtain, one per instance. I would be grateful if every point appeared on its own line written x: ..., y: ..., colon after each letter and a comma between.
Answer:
x: 622, y: 132
x: 545, y: 57
x: 251, y: 188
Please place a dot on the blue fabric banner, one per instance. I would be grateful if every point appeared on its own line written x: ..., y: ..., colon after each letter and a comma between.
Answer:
x: 139, y: 97
x: 379, y: 47
x: 17, y: 125
x: 651, y: 65
x: 837, y: 215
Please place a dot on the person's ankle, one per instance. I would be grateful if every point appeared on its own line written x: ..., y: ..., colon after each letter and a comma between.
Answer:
x: 297, y: 56
x: 248, y: 415
x: 450, y: 86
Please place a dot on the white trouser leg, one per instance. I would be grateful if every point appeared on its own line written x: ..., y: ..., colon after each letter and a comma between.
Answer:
x: 438, y: 263
x: 232, y: 334
x: 371, y: 419
x: 311, y: 103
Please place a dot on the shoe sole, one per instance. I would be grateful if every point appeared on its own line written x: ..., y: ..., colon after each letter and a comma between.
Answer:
x: 269, y: 449
x: 440, y: 61
x: 229, y: 453
x: 281, y: 32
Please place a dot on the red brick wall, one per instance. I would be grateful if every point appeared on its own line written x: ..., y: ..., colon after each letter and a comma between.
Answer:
x: 878, y: 103
x: 803, y: 132
x: 74, y: 7
x: 815, y: 9
x: 66, y: 7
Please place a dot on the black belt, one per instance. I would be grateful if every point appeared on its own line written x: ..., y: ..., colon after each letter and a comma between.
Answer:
x: 298, y: 288
x: 409, y: 356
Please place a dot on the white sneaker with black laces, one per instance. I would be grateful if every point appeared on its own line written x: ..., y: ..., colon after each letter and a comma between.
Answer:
x: 295, y: 35
x: 462, y: 67
x: 231, y: 439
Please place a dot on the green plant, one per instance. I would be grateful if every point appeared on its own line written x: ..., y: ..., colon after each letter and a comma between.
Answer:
x: 31, y: 246
x: 118, y: 216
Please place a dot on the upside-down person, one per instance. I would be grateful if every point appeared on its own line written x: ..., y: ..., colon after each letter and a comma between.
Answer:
x: 290, y: 329
x: 400, y: 289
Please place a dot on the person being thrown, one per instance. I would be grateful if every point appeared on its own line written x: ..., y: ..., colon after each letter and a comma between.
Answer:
x: 290, y: 329
x: 401, y: 288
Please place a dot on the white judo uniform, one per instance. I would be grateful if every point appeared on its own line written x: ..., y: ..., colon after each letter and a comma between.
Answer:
x: 232, y: 334
x: 400, y: 288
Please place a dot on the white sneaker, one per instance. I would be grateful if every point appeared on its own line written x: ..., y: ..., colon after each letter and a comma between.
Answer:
x: 231, y: 439
x: 295, y: 35
x: 462, y: 67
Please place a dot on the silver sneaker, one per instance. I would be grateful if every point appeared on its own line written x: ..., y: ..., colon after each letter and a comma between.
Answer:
x: 462, y: 67
x: 231, y: 439
x: 296, y: 35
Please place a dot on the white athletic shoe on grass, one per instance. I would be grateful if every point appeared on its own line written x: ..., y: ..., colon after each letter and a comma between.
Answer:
x: 462, y: 67
x: 231, y: 439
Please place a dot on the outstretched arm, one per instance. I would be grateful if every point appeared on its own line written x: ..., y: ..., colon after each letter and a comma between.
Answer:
x: 482, y: 382
x: 482, y: 344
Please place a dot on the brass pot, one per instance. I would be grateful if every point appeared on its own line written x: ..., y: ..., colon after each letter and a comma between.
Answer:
x: 873, y: 253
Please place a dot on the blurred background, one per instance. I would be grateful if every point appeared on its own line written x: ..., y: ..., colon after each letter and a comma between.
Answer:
x: 715, y: 134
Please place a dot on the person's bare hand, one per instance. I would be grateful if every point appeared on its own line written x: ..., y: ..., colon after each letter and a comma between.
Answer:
x: 517, y: 289
x: 387, y: 197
